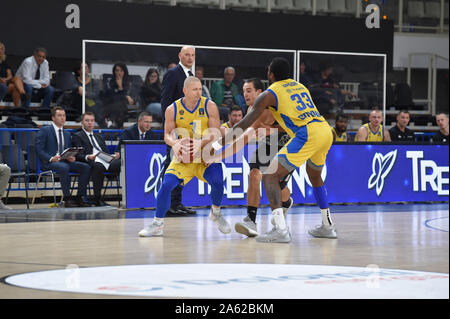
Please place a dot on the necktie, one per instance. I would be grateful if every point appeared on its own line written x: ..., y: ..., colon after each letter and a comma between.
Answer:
x: 93, y: 142
x: 38, y: 73
x: 190, y: 73
x: 61, y: 142
x: 142, y: 136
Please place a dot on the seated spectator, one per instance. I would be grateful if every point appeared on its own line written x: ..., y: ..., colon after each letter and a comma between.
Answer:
x: 6, y: 75
x: 305, y: 77
x: 151, y: 93
x: 116, y: 97
x: 5, y: 174
x: 199, y: 70
x: 171, y: 65
x: 92, y: 95
x: 35, y: 74
x: 340, y: 128
x: 225, y: 93
x: 141, y: 131
x: 400, y: 132
x: 92, y: 144
x: 236, y: 114
x: 442, y: 134
x: 51, y: 141
x: 373, y: 131
x: 8, y: 82
x: 326, y: 92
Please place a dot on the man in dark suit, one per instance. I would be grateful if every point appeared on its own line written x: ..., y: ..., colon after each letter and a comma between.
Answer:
x: 172, y: 90
x: 50, y: 142
x: 92, y: 144
x: 140, y: 131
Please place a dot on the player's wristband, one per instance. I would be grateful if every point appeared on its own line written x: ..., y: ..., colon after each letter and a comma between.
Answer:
x: 216, y: 145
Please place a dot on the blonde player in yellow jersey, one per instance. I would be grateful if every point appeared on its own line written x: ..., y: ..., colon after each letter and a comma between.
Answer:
x: 311, y: 138
x: 340, y: 128
x: 188, y: 124
x: 373, y: 131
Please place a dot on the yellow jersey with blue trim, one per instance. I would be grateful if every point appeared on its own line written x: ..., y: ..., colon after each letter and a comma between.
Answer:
x: 340, y: 138
x: 195, y: 122
x: 226, y: 125
x: 377, y: 136
x: 294, y: 107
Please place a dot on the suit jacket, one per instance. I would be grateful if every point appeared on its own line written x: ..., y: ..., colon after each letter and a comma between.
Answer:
x: 132, y: 133
x: 81, y: 139
x: 172, y: 87
x: 47, y: 144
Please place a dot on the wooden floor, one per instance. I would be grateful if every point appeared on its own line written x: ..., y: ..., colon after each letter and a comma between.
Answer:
x: 393, y: 236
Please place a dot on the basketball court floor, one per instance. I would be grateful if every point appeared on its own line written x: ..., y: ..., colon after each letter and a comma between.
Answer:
x: 383, y: 251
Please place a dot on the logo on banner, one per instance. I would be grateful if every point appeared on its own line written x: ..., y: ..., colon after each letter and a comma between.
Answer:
x: 381, y: 167
x: 428, y: 173
x: 156, y: 167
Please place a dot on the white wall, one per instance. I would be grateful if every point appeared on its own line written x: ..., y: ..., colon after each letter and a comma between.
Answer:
x: 420, y: 43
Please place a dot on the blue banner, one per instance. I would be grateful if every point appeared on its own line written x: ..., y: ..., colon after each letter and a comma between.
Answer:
x: 353, y: 173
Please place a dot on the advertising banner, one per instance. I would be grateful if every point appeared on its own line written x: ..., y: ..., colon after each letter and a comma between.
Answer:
x: 354, y: 173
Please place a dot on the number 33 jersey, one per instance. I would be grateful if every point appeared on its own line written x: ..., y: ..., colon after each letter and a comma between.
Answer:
x: 294, y: 107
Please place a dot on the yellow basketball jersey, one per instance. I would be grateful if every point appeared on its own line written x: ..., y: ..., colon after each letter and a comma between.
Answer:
x: 294, y: 107
x: 342, y: 138
x: 226, y: 125
x: 195, y: 122
x: 377, y: 136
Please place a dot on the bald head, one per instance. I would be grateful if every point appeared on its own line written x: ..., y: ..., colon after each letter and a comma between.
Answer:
x: 187, y: 56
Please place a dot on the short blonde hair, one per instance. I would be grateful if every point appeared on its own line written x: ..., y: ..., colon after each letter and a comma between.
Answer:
x: 189, y: 80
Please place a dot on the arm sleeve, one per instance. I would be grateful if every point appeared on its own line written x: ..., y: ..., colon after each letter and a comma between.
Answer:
x: 46, y: 74
x: 168, y: 87
x: 27, y: 76
x: 41, y: 139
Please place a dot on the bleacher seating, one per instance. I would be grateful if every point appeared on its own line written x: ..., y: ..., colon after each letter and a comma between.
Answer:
x: 251, y: 4
x: 303, y: 5
x: 432, y: 10
x: 416, y: 9
x: 209, y: 3
x: 446, y: 8
x: 322, y: 6
x: 284, y: 5
x: 338, y: 6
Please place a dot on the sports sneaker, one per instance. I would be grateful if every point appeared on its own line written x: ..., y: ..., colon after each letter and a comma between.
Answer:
x: 247, y: 227
x: 276, y: 235
x: 221, y: 222
x: 323, y: 231
x: 285, y: 210
x: 152, y: 230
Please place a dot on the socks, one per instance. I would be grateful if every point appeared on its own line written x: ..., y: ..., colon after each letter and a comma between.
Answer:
x: 251, y: 213
x: 278, y: 218
x: 326, y: 219
x: 215, y: 209
x: 320, y: 193
x: 158, y: 221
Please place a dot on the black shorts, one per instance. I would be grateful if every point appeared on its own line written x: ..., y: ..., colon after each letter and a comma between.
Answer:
x: 265, y: 153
